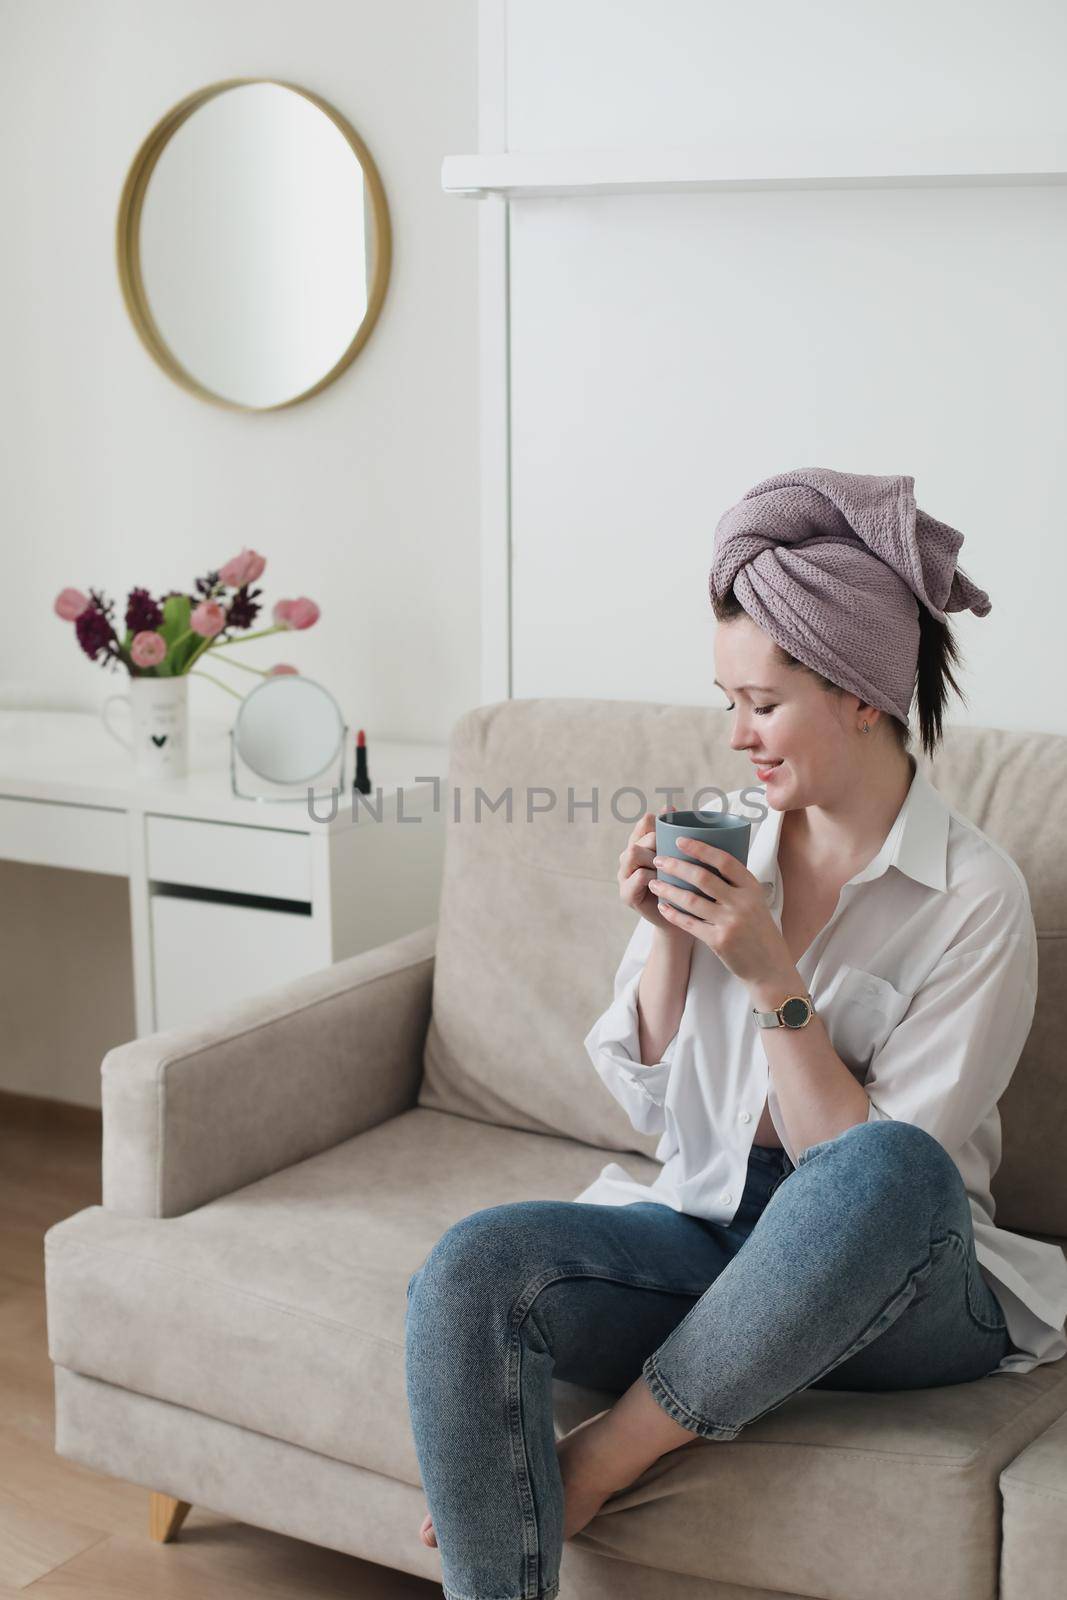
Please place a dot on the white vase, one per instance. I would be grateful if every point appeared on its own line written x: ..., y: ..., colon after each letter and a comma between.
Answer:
x: 158, y: 725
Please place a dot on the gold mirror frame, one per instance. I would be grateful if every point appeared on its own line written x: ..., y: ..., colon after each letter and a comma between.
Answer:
x: 128, y: 251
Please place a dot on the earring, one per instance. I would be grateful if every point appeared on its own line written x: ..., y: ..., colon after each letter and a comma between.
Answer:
x: 866, y: 729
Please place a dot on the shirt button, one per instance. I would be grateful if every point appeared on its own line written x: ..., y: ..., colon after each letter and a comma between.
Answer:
x: 746, y: 1116
x: 726, y: 1197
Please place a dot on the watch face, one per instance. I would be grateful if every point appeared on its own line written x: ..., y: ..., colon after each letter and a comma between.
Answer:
x: 795, y: 1013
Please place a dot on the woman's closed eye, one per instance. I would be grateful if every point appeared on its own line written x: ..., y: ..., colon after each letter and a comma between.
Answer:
x: 761, y: 711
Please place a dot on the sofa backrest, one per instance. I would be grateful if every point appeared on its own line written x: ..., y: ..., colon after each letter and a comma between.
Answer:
x: 531, y: 928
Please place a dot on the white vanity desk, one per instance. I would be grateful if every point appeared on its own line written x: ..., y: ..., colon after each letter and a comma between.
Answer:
x: 228, y: 897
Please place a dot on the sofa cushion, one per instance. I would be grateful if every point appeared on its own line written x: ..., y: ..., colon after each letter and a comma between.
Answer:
x: 531, y: 928
x: 1034, y: 1492
x: 281, y: 1308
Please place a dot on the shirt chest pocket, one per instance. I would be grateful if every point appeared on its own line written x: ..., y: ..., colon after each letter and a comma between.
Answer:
x: 860, y: 1012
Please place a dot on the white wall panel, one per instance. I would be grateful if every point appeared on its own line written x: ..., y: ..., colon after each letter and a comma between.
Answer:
x: 669, y: 351
x: 602, y: 73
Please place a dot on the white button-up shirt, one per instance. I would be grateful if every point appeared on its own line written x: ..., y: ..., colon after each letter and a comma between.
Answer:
x: 925, y: 977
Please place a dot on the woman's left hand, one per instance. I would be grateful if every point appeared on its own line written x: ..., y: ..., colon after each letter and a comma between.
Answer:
x: 738, y: 926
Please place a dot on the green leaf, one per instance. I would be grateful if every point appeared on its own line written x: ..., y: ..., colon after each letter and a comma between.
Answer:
x: 176, y: 612
x: 177, y: 609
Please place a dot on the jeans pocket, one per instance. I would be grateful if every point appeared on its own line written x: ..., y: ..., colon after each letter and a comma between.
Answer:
x: 984, y: 1307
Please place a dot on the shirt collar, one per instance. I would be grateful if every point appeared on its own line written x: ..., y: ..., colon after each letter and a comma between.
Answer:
x: 916, y: 844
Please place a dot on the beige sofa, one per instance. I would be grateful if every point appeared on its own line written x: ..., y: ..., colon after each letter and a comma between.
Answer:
x: 227, y: 1327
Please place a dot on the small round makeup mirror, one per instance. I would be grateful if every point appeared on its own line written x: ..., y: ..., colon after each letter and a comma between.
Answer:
x: 289, y: 730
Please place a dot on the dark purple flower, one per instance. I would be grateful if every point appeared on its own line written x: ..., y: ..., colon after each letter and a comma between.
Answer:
x: 208, y: 584
x: 142, y: 612
x: 94, y: 630
x: 244, y: 608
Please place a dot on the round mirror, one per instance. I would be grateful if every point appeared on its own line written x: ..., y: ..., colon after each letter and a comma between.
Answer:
x: 288, y: 729
x: 253, y: 243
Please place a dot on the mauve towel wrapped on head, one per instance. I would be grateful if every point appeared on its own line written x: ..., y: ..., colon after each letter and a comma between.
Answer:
x: 834, y: 566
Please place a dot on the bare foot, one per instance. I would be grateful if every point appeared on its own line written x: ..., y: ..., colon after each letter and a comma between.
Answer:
x: 584, y: 1490
x: 585, y: 1485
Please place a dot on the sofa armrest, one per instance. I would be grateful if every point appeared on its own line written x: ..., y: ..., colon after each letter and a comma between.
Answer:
x: 195, y: 1112
x: 1033, y: 1488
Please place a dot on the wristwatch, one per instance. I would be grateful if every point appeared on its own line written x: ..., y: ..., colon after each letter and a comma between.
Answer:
x: 795, y: 1011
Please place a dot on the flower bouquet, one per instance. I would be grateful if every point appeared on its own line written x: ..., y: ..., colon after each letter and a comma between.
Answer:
x: 163, y: 642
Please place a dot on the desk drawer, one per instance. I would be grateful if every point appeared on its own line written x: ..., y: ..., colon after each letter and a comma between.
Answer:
x: 226, y: 855
x: 206, y: 955
x: 46, y: 833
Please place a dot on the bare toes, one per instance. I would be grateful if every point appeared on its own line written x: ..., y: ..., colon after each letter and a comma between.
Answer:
x: 426, y: 1533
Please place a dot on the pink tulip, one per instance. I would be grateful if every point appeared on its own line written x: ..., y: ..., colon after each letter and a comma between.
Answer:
x: 282, y: 670
x: 296, y: 613
x: 70, y: 603
x: 148, y: 648
x: 245, y: 568
x: 208, y: 619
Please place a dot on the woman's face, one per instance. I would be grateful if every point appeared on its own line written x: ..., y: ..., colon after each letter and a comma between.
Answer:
x: 784, y: 716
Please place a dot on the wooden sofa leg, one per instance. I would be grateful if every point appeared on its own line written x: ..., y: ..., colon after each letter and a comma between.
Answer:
x: 165, y: 1516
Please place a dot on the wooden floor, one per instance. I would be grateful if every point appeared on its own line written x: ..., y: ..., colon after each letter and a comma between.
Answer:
x: 68, y: 1532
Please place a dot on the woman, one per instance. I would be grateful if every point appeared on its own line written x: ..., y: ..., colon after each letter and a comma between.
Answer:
x: 824, y: 1193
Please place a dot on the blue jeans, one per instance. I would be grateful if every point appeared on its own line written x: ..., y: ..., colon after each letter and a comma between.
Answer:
x: 855, y: 1269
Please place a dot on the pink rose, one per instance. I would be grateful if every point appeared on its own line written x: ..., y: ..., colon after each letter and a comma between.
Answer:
x: 70, y: 603
x: 296, y: 613
x: 208, y: 619
x: 148, y: 648
x: 242, y: 569
x: 282, y: 670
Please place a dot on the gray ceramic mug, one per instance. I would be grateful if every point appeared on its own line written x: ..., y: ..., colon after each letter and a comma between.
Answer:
x: 720, y: 828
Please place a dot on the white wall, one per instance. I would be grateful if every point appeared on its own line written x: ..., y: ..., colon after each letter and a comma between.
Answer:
x: 364, y: 497
x: 669, y: 351
x: 608, y: 73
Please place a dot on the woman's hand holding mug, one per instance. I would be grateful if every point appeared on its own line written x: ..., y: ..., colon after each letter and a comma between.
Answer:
x: 636, y: 873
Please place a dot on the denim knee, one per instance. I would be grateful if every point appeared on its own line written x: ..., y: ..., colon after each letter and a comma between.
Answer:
x: 907, y: 1137
x: 483, y: 1249
x: 897, y: 1148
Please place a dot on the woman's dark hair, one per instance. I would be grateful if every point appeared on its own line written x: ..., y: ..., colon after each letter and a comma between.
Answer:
x: 938, y: 653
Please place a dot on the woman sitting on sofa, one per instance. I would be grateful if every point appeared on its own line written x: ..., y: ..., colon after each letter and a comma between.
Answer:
x: 821, y: 1037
